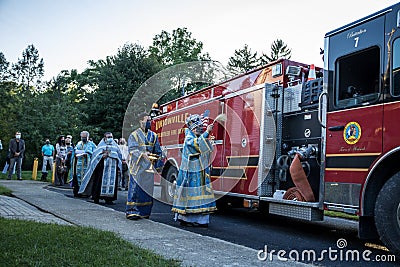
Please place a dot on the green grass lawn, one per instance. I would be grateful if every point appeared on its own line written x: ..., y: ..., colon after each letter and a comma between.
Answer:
x: 27, y: 175
x: 5, y: 191
x: 338, y: 214
x: 27, y: 243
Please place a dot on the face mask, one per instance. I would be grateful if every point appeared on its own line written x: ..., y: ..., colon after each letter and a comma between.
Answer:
x: 18, y: 136
x: 147, y: 126
x: 84, y: 139
x: 109, y: 140
x: 47, y: 142
x: 68, y: 143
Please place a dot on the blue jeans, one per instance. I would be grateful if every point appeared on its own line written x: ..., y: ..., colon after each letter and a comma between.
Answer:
x: 13, y: 161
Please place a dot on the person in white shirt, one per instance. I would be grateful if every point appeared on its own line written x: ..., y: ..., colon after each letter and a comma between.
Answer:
x: 125, y: 157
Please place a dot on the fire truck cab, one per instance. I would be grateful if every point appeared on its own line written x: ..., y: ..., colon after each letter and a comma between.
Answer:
x: 296, y: 145
x: 361, y: 134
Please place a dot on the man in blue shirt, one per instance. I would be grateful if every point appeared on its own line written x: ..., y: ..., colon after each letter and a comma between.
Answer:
x: 48, y: 155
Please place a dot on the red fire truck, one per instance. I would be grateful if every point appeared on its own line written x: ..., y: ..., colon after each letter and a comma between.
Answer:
x: 341, y: 127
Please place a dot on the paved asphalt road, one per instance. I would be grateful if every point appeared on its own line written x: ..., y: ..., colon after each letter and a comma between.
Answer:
x: 259, y: 231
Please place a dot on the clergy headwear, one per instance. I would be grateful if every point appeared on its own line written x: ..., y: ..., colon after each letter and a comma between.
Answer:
x: 194, y: 121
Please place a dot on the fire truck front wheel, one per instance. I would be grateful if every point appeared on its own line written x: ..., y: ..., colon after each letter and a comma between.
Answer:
x: 169, y: 185
x: 387, y: 214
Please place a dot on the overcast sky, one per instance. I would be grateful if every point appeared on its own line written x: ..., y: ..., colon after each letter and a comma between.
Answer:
x: 68, y: 33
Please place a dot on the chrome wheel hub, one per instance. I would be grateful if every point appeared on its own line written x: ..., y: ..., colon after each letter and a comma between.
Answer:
x: 398, y: 215
x: 172, y: 187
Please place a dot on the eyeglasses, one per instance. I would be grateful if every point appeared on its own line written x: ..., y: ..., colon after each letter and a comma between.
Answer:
x: 109, y: 137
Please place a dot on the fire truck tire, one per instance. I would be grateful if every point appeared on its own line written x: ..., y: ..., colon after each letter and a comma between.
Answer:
x: 226, y: 202
x: 387, y: 214
x: 222, y: 203
x: 169, y: 185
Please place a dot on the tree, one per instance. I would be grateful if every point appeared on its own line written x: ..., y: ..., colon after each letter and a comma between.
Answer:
x: 62, y: 100
x: 7, y: 104
x: 243, y: 60
x: 174, y: 49
x: 114, y: 81
x: 22, y: 104
x: 278, y: 50
x: 178, y: 47
x: 29, y: 69
x: 4, y: 68
x: 44, y: 114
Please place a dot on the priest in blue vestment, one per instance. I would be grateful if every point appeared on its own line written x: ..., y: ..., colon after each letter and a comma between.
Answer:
x: 141, y: 143
x: 101, y: 178
x: 81, y: 156
x: 194, y: 198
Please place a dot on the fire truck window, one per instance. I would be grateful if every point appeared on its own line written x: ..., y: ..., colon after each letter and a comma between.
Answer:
x: 357, y: 78
x: 396, y: 67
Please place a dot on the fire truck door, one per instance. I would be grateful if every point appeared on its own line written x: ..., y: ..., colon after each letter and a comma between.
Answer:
x: 355, y: 109
x: 391, y: 138
x: 241, y: 145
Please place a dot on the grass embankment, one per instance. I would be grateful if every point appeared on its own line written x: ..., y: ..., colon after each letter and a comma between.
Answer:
x: 5, y: 191
x: 338, y: 214
x: 26, y: 243
x: 25, y: 175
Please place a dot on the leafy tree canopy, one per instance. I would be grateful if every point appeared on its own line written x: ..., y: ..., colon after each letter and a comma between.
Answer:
x: 4, y: 68
x: 243, y: 60
x: 278, y: 50
x: 176, y: 47
x: 115, y: 80
x: 30, y: 68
